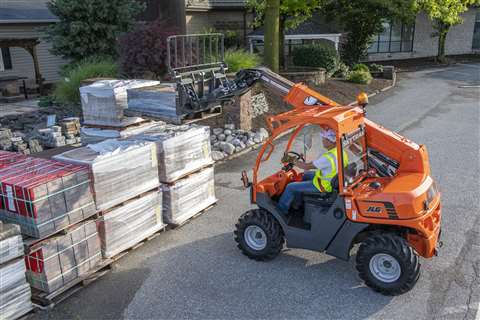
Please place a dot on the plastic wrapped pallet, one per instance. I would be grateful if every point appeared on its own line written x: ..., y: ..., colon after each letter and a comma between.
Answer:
x: 121, y: 170
x: 43, y: 196
x: 56, y: 261
x: 11, y: 243
x: 181, y: 150
x: 96, y: 135
x: 126, y: 225
x: 158, y: 101
x: 188, y: 196
x: 15, y: 292
x: 103, y: 101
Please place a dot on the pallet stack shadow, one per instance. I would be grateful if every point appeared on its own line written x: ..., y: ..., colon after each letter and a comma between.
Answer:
x: 14, y: 290
x: 125, y: 184
x: 184, y: 168
x: 50, y: 201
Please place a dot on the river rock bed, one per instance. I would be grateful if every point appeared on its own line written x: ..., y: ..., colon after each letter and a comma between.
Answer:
x: 227, y: 141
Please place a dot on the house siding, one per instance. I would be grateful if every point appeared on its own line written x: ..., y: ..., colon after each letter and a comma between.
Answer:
x: 22, y: 63
x: 459, y: 39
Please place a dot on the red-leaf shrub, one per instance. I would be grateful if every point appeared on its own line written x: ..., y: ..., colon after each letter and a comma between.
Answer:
x: 143, y: 51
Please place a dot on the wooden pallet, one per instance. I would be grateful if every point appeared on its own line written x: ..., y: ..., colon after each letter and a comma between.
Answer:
x: 181, y: 119
x: 119, y: 127
x: 178, y: 225
x: 45, y: 300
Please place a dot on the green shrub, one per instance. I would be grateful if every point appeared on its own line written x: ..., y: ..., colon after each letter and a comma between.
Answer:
x: 67, y: 90
x: 360, y: 76
x: 46, y: 101
x: 341, y: 69
x: 316, y: 55
x: 360, y: 67
x: 376, y: 67
x: 240, y: 59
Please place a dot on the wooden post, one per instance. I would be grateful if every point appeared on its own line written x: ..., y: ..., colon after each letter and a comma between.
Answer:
x: 32, y: 49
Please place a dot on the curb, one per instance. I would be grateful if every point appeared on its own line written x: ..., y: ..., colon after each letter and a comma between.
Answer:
x: 373, y: 94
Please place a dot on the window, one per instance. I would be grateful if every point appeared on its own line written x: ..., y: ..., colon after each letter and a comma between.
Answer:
x: 394, y: 38
x: 5, y: 59
x: 476, y: 31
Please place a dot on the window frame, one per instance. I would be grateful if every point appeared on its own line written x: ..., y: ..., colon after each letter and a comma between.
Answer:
x: 5, y: 59
x: 376, y: 43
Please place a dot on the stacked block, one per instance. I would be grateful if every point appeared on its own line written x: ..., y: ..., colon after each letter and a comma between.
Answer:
x: 43, y: 196
x: 59, y: 260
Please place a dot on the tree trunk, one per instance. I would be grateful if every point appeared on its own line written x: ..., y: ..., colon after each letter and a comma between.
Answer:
x: 281, y: 43
x: 272, y: 27
x: 442, y: 37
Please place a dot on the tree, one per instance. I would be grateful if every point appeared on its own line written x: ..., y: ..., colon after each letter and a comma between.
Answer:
x: 445, y: 14
x: 292, y: 14
x: 272, y: 17
x: 144, y: 50
x: 362, y: 19
x: 90, y: 27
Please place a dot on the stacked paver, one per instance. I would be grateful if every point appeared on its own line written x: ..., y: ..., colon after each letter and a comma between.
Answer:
x: 14, y: 290
x: 159, y: 101
x: 125, y: 183
x: 58, y: 260
x: 43, y: 196
x: 184, y: 169
x: 103, y: 102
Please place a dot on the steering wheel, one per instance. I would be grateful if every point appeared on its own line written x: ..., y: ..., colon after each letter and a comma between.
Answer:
x: 289, y: 166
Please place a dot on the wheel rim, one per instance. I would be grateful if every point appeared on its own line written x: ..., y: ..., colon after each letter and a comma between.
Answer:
x: 255, y: 237
x: 385, y: 268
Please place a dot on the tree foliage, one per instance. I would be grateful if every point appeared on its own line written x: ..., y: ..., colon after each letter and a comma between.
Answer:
x: 143, y: 51
x: 445, y: 14
x: 90, y: 27
x: 362, y: 19
x: 292, y: 12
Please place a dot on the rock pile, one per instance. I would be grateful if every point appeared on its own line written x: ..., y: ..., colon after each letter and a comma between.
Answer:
x: 259, y: 105
x: 227, y: 141
x: 13, y: 142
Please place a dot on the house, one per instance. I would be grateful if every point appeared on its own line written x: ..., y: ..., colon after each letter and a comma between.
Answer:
x: 24, y: 52
x: 199, y: 16
x: 400, y: 41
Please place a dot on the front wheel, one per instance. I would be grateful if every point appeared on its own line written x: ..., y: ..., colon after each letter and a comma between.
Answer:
x: 388, y: 264
x: 259, y: 235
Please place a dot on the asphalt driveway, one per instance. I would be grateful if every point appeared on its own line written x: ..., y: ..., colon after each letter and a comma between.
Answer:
x: 196, y: 272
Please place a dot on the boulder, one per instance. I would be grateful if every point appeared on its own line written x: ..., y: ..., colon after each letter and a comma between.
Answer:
x: 217, y: 155
x: 217, y: 131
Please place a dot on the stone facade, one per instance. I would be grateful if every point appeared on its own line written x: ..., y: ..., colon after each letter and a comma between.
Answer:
x: 459, y: 40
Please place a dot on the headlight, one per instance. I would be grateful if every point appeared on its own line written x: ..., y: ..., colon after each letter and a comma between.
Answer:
x: 431, y: 194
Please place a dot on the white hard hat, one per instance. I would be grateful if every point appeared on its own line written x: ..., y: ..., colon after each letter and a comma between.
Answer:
x: 328, y: 134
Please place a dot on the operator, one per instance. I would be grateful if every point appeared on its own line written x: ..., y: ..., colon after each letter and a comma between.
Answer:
x: 314, y: 181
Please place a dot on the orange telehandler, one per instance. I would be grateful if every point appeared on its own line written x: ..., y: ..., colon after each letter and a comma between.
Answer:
x: 384, y: 199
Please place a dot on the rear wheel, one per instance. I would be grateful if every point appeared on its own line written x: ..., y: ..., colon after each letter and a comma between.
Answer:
x: 388, y: 264
x: 259, y: 235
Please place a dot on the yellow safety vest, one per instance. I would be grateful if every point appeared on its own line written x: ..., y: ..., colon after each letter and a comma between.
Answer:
x: 325, y: 179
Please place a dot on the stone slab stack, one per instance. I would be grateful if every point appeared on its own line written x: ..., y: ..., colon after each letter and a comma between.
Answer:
x: 186, y: 197
x: 124, y: 226
x: 125, y: 184
x: 181, y: 150
x: 52, y: 137
x: 43, y: 196
x: 56, y: 261
x: 159, y: 101
x: 96, y: 135
x: 120, y: 170
x: 14, y: 290
x: 104, y: 101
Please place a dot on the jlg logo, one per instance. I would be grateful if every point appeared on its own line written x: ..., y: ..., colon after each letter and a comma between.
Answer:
x: 374, y: 209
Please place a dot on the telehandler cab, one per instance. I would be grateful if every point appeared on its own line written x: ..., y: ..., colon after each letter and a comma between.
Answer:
x: 384, y: 199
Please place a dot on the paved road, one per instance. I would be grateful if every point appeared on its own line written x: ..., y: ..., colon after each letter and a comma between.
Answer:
x: 196, y: 272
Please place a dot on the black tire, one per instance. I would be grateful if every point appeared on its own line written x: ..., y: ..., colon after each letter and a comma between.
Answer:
x: 270, y: 226
x: 396, y: 247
